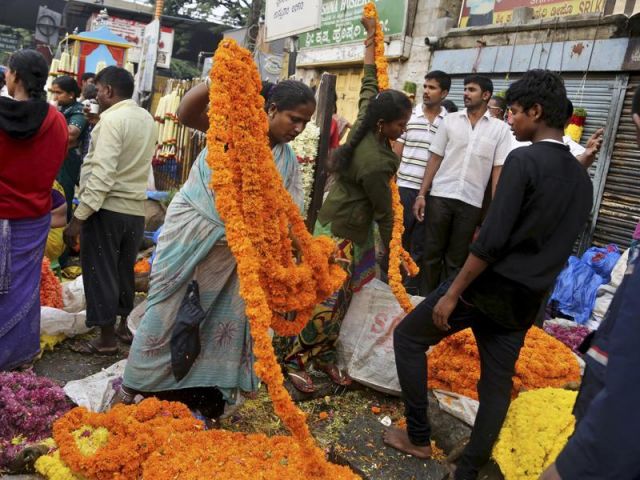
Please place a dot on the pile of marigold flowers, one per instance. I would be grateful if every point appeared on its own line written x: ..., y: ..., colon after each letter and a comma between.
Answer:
x: 454, y: 364
x: 50, y: 287
x: 535, y: 431
x: 160, y: 440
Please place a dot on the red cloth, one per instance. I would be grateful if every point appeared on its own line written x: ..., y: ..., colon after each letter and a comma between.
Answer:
x: 334, y: 135
x: 28, y: 168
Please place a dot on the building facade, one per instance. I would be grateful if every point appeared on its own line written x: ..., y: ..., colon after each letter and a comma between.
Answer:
x: 593, y: 44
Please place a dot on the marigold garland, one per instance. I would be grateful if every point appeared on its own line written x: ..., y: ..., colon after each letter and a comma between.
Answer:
x: 223, y: 454
x: 454, y: 364
x: 535, y: 431
x: 370, y: 11
x: 396, y: 252
x: 260, y: 217
x: 134, y: 432
x: 50, y: 287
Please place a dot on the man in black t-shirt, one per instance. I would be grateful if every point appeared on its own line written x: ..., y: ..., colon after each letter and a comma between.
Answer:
x: 541, y: 203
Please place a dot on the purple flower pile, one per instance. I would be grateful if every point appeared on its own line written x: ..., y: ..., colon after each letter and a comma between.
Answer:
x: 571, y: 335
x: 29, y: 405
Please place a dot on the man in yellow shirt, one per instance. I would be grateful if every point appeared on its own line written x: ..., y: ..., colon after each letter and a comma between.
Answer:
x: 110, y: 216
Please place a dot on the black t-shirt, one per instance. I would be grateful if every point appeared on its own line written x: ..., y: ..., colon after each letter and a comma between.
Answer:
x: 542, y: 203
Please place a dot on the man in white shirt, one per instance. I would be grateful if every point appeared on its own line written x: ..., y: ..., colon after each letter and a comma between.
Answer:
x: 468, y: 150
x: 413, y: 148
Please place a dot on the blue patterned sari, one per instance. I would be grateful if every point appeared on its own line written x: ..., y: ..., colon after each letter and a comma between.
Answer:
x: 193, y: 246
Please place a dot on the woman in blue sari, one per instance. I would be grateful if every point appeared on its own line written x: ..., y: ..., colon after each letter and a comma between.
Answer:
x: 193, y: 246
x: 33, y: 144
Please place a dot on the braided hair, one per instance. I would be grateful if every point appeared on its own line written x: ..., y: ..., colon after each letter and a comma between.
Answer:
x: 388, y: 106
x: 30, y: 67
x: 286, y: 95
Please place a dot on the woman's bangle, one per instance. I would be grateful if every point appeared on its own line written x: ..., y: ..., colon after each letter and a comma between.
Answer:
x: 419, y: 196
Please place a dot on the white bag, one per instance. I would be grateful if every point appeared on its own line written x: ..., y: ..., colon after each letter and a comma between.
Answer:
x: 365, y: 344
x: 73, y: 296
x: 54, y: 321
x: 96, y: 391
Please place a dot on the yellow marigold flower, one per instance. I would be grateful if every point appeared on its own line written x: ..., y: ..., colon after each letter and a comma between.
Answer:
x: 536, y: 429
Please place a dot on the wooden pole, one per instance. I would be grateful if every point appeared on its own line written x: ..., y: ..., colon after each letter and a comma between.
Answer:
x: 159, y: 8
x: 324, y: 112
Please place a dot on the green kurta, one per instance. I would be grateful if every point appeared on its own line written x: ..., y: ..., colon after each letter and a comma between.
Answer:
x: 361, y: 194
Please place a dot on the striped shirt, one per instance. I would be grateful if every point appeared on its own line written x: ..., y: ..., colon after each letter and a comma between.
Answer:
x: 415, y: 153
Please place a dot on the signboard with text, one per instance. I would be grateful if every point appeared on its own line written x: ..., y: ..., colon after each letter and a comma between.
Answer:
x: 340, y: 22
x: 133, y: 32
x: 476, y: 13
x: 284, y: 18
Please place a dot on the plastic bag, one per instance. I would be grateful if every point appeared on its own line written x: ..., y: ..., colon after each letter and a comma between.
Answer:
x: 602, y: 260
x: 96, y: 391
x: 365, y: 344
x: 54, y: 321
x: 73, y: 296
x: 606, y: 292
x: 185, y: 338
x: 575, y: 290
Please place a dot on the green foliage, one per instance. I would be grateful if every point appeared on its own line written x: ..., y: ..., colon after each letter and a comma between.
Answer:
x: 235, y: 11
x: 183, y: 69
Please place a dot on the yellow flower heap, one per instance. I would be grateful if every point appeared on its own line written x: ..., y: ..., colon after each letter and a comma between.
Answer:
x: 535, y: 431
x: 396, y: 252
x: 260, y: 216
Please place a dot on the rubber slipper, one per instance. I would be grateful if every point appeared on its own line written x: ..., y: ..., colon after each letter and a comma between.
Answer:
x: 302, y: 381
x: 88, y: 348
x: 125, y: 338
x: 336, y: 375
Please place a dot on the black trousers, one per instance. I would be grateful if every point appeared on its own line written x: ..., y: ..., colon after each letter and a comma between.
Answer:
x: 413, y: 236
x: 109, y: 244
x: 449, y: 228
x: 499, y: 350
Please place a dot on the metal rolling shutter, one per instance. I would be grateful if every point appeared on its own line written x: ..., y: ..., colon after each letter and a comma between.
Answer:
x: 595, y: 97
x: 619, y: 209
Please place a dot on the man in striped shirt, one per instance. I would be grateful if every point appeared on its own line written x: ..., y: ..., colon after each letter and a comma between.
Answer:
x: 413, y: 149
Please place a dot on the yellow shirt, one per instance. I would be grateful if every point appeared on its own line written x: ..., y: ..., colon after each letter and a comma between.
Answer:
x: 115, y: 171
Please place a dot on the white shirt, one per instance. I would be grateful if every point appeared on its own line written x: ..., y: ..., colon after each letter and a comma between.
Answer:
x: 469, y: 155
x: 415, y: 153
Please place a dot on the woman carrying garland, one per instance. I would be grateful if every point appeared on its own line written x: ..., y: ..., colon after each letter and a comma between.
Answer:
x: 66, y: 91
x: 33, y: 144
x: 192, y: 246
x: 360, y: 196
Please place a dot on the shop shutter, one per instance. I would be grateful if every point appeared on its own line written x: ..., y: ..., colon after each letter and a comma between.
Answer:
x: 619, y: 208
x: 595, y: 97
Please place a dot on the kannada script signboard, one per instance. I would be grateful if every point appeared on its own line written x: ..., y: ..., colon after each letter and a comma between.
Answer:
x: 284, y: 18
x: 477, y: 13
x: 340, y: 22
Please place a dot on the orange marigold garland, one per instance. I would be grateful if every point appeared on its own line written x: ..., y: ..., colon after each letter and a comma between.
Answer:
x: 396, y: 252
x: 50, y: 287
x: 260, y: 218
x: 134, y: 432
x: 370, y: 11
x: 454, y: 364
x: 223, y: 454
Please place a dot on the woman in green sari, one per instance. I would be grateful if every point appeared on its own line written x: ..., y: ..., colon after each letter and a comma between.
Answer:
x: 65, y: 92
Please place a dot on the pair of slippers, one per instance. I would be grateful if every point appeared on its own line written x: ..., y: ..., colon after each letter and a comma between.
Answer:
x: 89, y: 347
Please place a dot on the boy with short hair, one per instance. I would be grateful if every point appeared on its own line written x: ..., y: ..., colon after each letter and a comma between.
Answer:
x: 540, y: 206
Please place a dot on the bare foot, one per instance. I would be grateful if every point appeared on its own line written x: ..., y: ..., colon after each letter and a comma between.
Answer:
x: 399, y: 439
